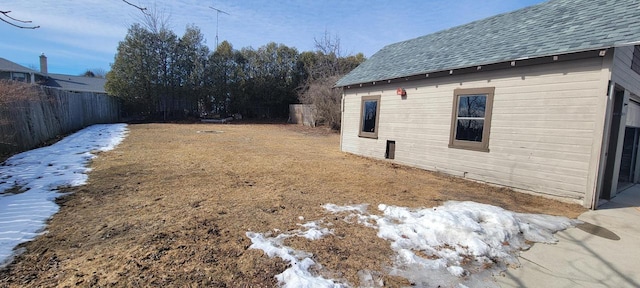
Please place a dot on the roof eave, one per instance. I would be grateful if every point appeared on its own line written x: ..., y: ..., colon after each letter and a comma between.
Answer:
x: 519, y: 62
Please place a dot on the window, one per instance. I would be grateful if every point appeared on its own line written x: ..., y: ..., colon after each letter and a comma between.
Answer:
x: 635, y: 62
x: 471, y: 118
x: 17, y: 76
x: 369, y: 111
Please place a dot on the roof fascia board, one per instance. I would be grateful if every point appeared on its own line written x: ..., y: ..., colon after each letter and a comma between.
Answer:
x: 486, y: 67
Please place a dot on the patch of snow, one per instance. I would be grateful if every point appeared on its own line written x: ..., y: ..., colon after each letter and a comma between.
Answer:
x: 459, y: 243
x: 37, y: 174
x: 370, y: 278
x: 333, y: 208
x: 298, y: 274
x: 313, y: 231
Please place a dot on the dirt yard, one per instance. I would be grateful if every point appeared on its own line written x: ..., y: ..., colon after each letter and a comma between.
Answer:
x: 170, y: 207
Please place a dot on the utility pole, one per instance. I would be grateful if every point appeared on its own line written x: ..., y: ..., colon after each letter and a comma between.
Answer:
x: 218, y: 11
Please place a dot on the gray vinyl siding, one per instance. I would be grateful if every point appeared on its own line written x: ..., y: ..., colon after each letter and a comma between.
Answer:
x: 542, y: 129
x: 622, y: 73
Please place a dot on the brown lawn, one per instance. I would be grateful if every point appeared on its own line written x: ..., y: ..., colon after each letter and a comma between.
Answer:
x: 171, y: 205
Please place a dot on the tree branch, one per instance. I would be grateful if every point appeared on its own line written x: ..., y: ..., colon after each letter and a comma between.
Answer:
x: 142, y: 9
x: 6, y: 14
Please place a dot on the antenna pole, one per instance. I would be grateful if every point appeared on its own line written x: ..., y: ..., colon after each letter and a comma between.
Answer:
x: 218, y: 11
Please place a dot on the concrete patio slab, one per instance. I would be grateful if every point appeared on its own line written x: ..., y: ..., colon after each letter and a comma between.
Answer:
x: 603, y: 252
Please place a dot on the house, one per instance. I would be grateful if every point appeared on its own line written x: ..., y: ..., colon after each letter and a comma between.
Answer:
x: 545, y: 100
x: 13, y: 71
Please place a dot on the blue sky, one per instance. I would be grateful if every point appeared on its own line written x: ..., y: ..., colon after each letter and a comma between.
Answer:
x: 77, y: 35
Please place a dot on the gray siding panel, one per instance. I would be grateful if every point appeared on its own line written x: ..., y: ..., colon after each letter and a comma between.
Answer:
x: 622, y: 73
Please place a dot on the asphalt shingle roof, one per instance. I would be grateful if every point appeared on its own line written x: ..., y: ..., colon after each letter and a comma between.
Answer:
x: 6, y: 65
x: 551, y: 28
x: 76, y: 83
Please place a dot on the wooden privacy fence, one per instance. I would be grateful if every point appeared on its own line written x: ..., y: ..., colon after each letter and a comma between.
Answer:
x: 41, y: 113
x: 302, y: 114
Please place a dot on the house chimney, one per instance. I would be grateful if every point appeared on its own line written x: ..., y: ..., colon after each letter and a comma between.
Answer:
x: 43, y: 64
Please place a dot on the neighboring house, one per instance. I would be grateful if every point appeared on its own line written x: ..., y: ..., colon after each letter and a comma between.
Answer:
x: 13, y: 71
x: 545, y: 100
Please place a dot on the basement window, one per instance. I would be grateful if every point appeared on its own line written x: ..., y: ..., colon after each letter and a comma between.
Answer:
x: 390, y: 152
x: 471, y: 118
x: 369, y: 113
x: 635, y: 62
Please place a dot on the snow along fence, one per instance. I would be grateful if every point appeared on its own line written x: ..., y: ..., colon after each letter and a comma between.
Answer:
x: 31, y: 114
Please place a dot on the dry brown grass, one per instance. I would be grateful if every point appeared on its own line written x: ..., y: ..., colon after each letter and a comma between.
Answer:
x: 170, y: 208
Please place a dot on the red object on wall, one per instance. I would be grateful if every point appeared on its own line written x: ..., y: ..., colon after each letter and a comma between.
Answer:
x: 401, y: 92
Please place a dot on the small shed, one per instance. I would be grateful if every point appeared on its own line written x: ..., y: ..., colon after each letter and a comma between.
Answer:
x: 544, y: 100
x: 302, y: 114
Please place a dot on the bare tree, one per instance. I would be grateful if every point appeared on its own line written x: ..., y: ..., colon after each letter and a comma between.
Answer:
x: 94, y: 73
x: 99, y: 72
x: 155, y: 20
x: 323, y: 68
